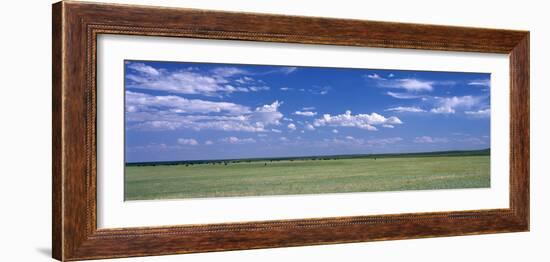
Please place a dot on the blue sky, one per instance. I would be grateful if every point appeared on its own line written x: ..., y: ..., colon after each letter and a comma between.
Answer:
x: 191, y: 111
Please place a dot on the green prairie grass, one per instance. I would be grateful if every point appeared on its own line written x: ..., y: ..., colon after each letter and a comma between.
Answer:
x: 286, y: 177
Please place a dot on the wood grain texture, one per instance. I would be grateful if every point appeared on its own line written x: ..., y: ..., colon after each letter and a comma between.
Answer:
x: 76, y: 26
x: 519, y: 129
x: 57, y: 190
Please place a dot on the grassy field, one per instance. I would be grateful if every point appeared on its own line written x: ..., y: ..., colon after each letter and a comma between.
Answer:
x: 306, y: 176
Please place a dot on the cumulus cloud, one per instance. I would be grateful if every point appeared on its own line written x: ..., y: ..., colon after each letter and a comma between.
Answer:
x: 305, y: 113
x: 310, y: 127
x: 291, y: 126
x: 449, y: 105
x: 363, y: 121
x: 172, y: 112
x: 208, y: 142
x: 236, y: 140
x: 429, y: 140
x: 187, y: 141
x: 409, y: 109
x: 267, y: 114
x: 188, y: 81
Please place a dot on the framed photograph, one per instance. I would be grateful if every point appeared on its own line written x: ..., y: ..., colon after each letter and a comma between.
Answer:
x: 182, y: 130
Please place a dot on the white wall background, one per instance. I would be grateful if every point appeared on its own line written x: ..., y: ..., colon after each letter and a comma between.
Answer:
x: 25, y: 147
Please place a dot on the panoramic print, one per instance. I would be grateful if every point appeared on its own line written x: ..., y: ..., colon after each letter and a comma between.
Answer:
x: 202, y: 130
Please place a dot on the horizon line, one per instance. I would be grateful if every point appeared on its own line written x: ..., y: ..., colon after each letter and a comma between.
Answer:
x: 306, y: 156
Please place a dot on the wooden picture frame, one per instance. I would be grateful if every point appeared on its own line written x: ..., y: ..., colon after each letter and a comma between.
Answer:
x: 76, y: 26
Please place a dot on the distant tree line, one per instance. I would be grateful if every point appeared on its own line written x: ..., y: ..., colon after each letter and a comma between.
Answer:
x: 312, y: 158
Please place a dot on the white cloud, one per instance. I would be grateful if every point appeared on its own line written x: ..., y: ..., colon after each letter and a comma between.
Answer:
x: 384, y: 141
x: 208, y: 142
x: 335, y: 131
x: 481, y: 82
x: 310, y: 127
x: 363, y: 121
x: 258, y: 88
x: 244, y: 80
x: 409, y: 109
x: 285, y: 88
x: 479, y: 113
x: 236, y: 140
x: 173, y: 122
x: 172, y: 112
x: 317, y: 90
x: 267, y: 114
x: 183, y: 82
x: 144, y: 102
x: 288, y: 70
x: 224, y: 72
x: 409, y: 84
x: 308, y: 108
x: 388, y: 126
x: 443, y: 110
x: 281, y: 70
x: 375, y: 76
x: 403, y: 95
x: 305, y: 113
x: 291, y: 126
x: 274, y: 130
x: 473, y: 140
x: 190, y: 81
x: 144, y: 69
x: 448, y: 105
x: 350, y: 140
x: 187, y: 141
x: 429, y: 140
x: 283, y: 139
x: 152, y: 147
